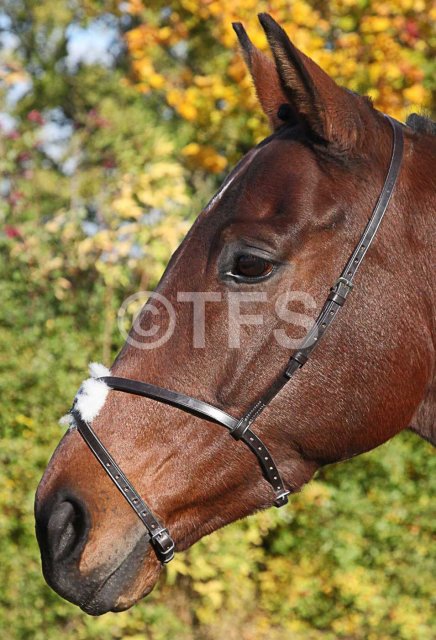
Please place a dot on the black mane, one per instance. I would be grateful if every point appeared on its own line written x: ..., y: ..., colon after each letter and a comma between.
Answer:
x: 421, y: 124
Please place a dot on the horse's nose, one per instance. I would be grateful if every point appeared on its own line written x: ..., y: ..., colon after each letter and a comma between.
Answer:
x: 63, y: 526
x: 62, y: 529
x: 65, y: 529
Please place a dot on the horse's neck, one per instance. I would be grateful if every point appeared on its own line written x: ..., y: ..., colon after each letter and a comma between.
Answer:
x: 424, y: 420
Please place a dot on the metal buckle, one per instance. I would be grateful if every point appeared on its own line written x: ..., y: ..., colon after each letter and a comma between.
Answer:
x: 340, y: 290
x: 164, y: 545
x: 242, y: 426
x: 281, y: 499
x: 344, y: 281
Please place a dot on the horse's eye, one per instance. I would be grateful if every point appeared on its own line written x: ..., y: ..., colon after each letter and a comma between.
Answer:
x: 248, y: 266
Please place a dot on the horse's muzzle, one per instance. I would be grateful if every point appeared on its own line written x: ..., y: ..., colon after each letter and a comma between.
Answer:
x: 62, y: 530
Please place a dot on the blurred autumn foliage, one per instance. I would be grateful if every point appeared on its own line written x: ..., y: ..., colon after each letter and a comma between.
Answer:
x: 105, y: 158
x: 185, y: 51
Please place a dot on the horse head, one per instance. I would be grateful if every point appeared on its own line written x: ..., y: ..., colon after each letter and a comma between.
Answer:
x: 243, y: 288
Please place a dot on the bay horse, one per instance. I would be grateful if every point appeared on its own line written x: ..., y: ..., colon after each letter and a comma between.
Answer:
x: 286, y: 219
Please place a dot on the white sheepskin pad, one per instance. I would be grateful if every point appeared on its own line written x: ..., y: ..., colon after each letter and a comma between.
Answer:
x: 91, y: 396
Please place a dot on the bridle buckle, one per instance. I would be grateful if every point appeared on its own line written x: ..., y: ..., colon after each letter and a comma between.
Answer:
x: 340, y: 290
x: 342, y: 280
x: 164, y: 545
x: 281, y: 499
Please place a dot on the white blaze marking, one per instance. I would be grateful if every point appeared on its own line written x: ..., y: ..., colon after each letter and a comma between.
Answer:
x: 219, y: 194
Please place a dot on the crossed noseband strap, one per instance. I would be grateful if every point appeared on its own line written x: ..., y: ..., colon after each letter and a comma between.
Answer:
x: 240, y: 429
x: 160, y: 538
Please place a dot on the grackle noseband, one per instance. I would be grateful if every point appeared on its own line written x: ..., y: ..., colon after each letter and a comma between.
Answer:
x: 240, y: 428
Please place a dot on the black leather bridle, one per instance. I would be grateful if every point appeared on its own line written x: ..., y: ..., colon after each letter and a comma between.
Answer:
x: 240, y: 428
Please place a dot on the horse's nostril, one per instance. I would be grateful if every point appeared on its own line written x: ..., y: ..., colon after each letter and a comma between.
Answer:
x: 65, y: 529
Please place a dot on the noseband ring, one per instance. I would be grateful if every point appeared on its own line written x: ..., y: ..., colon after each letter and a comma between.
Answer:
x: 240, y: 429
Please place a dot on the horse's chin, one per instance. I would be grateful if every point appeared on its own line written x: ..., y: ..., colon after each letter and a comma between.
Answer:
x: 115, y: 588
x: 133, y: 579
x: 114, y: 596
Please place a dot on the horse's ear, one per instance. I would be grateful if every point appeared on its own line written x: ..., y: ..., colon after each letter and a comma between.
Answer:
x: 266, y: 81
x: 330, y: 113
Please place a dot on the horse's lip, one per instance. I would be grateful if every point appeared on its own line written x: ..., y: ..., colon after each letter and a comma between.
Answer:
x: 105, y: 597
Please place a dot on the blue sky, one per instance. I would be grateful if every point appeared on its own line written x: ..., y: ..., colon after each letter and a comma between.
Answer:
x: 94, y: 44
x: 97, y: 43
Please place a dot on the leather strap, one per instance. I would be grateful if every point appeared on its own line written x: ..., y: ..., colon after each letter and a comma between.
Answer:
x: 212, y: 414
x: 240, y: 429
x: 160, y: 538
x: 188, y: 404
x: 344, y: 284
x: 268, y: 467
